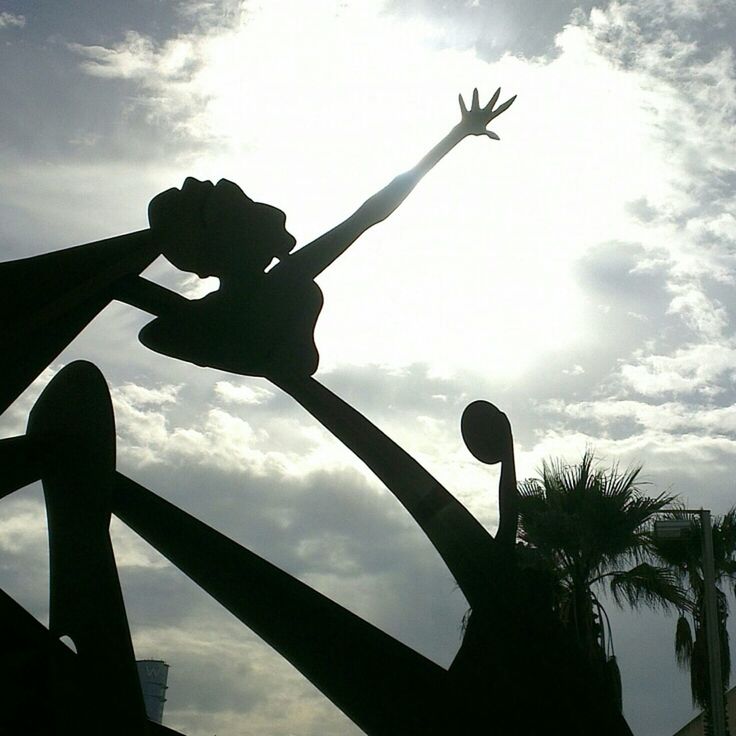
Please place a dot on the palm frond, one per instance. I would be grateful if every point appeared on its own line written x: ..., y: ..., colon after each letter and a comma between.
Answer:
x: 683, y: 642
x: 646, y: 584
x: 616, y: 483
x: 722, y: 607
x: 699, y: 676
x: 593, y: 518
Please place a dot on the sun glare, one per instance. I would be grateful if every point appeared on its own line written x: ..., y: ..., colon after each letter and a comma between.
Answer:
x: 479, y: 261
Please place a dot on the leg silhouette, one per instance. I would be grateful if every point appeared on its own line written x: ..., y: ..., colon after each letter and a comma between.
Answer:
x: 73, y: 422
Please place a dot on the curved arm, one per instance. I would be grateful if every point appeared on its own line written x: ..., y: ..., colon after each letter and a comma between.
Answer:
x: 466, y: 547
x: 313, y: 258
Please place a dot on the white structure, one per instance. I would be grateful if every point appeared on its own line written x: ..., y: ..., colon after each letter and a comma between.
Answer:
x: 153, y: 674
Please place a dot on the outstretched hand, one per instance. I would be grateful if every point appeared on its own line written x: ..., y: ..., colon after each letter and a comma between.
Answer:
x: 475, y: 120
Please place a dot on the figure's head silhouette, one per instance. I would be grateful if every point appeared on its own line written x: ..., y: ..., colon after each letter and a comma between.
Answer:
x: 486, y: 432
x: 217, y: 230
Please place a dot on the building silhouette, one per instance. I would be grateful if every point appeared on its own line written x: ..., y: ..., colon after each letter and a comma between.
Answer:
x: 153, y: 674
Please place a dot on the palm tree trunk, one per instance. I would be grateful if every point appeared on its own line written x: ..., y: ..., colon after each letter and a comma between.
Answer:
x: 583, y: 620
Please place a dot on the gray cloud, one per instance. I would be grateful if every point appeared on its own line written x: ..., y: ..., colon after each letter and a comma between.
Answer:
x: 8, y: 20
x: 496, y: 27
x: 24, y: 546
x: 54, y: 111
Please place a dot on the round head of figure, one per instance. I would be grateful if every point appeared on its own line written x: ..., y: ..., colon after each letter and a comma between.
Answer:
x: 217, y: 230
x: 247, y: 235
x: 486, y: 432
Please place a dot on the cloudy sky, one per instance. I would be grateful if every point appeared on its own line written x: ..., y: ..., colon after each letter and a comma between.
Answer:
x: 579, y: 274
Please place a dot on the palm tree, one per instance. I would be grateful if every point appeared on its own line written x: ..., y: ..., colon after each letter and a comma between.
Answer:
x: 590, y: 527
x: 686, y: 559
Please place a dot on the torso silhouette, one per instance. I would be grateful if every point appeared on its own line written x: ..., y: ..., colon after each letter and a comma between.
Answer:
x: 264, y: 327
x: 258, y: 322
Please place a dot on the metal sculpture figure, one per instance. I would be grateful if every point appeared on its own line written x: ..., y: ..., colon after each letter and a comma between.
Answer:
x: 70, y: 445
x: 73, y: 423
x: 382, y: 685
x: 261, y: 322
x: 257, y: 323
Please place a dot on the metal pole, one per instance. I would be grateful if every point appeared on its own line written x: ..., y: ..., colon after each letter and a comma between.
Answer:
x: 711, y: 627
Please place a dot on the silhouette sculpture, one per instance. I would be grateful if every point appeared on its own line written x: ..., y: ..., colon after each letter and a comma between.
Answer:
x: 382, y: 685
x: 260, y: 322
x: 49, y: 690
x: 516, y: 670
x: 70, y: 445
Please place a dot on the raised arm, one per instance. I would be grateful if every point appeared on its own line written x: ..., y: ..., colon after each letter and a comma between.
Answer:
x: 313, y: 258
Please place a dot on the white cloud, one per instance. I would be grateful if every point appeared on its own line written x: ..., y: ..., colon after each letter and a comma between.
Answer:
x: 141, y: 430
x: 153, y: 428
x: 11, y: 20
x: 670, y: 416
x: 193, y: 287
x: 24, y: 529
x: 705, y: 316
x: 707, y: 368
x: 692, y: 465
x: 132, y: 394
x: 136, y: 57
x: 724, y: 226
x: 242, y: 393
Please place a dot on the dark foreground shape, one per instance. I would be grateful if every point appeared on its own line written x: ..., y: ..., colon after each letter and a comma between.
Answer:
x: 382, y: 685
x: 40, y: 670
x: 72, y: 424
x: 379, y: 683
x: 49, y: 299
